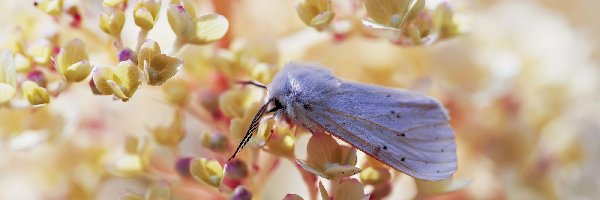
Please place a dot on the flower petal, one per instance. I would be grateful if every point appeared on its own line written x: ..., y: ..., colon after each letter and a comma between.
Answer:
x: 342, y: 171
x: 322, y: 149
x: 210, y: 28
x: 161, y: 68
x: 349, y: 189
x: 35, y: 94
x: 207, y: 171
x: 148, y: 50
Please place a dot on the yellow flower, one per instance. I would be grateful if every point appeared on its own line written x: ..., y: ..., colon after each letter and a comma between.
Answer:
x: 282, y: 141
x: 316, y: 13
x: 145, y: 13
x: 207, y: 171
x: 177, y: 92
x: 8, y: 78
x: 112, y: 3
x: 158, y: 67
x: 52, y: 7
x: 443, y: 21
x: 189, y: 29
x: 35, y: 94
x: 236, y: 102
x: 136, y: 158
x: 375, y: 175
x: 170, y: 135
x: 112, y: 22
x: 121, y: 81
x: 72, y: 61
x: 348, y: 189
x: 328, y: 159
x: 40, y: 51
x: 393, y: 13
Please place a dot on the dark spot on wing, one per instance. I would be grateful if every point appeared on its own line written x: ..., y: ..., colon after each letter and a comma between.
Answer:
x: 389, y: 95
x: 384, y: 147
x: 376, y: 152
x: 401, y: 134
x: 438, y: 171
x: 398, y: 116
x: 442, y: 150
x: 392, y: 112
x: 344, y: 123
x: 307, y: 107
x: 403, y: 159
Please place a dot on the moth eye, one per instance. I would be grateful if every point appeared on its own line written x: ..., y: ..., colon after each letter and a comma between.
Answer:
x: 277, y: 104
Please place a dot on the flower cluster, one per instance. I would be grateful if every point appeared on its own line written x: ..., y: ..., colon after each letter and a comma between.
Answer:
x: 147, y: 99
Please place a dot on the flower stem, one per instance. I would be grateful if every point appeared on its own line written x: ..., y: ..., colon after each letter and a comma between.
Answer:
x: 118, y: 42
x: 142, y: 38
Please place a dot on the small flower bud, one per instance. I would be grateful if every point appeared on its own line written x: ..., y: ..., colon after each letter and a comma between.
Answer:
x: 35, y: 94
x: 183, y: 166
x: 443, y: 21
x: 145, y: 13
x: 216, y: 142
x: 112, y: 22
x: 207, y: 171
x: 125, y: 54
x: 72, y: 61
x: 241, y: 193
x: 317, y: 14
x: 236, y: 169
x: 189, y: 29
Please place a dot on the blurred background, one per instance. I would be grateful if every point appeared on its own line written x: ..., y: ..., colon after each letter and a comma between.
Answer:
x: 521, y: 83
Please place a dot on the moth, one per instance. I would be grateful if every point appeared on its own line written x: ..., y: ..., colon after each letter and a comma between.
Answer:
x: 403, y: 129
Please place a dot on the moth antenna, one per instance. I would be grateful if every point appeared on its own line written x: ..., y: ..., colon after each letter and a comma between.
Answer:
x: 252, y: 128
x: 254, y: 83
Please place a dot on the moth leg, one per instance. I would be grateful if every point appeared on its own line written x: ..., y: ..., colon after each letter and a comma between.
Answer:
x: 254, y: 83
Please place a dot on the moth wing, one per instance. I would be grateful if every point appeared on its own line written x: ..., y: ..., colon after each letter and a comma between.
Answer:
x: 406, y: 130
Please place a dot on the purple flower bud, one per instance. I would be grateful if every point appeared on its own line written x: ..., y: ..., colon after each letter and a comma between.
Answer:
x: 183, y: 166
x: 236, y: 169
x: 38, y: 77
x: 241, y: 193
x: 125, y: 54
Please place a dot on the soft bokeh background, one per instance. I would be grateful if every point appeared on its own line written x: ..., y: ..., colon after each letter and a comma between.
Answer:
x: 521, y: 84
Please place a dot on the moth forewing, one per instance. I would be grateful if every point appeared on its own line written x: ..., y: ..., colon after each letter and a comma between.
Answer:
x: 405, y: 130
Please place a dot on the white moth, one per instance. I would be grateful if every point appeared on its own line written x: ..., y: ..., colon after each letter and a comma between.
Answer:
x: 403, y: 129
